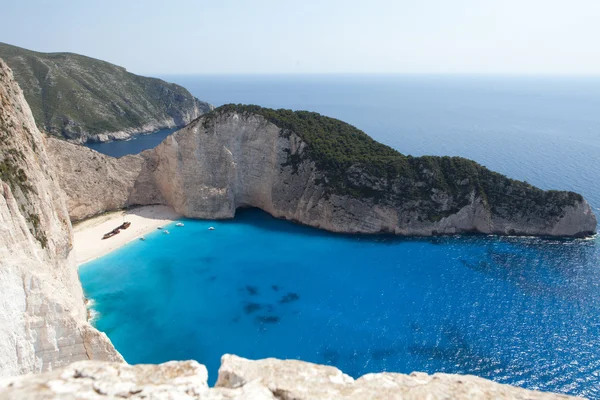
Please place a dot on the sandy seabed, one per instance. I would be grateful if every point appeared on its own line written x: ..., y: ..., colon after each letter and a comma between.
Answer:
x: 88, y: 234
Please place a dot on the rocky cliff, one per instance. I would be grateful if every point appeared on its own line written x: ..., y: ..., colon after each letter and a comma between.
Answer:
x: 82, y: 99
x: 42, y: 317
x: 317, y: 171
x: 97, y: 183
x: 242, y: 379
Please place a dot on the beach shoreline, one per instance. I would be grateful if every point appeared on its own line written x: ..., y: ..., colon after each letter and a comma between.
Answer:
x: 88, y: 242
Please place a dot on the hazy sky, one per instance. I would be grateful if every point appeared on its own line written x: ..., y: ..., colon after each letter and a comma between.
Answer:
x: 322, y: 36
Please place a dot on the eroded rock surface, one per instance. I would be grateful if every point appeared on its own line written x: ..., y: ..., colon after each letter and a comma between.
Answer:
x: 97, y: 183
x: 42, y: 313
x: 239, y: 378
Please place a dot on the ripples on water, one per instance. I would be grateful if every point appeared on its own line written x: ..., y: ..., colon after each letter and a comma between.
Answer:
x: 519, y: 311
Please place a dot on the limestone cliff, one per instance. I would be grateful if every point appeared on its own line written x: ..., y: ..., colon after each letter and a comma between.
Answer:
x: 317, y: 171
x: 97, y: 183
x: 242, y: 379
x: 42, y: 314
x: 83, y: 99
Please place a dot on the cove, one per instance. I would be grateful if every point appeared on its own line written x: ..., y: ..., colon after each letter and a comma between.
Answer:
x: 522, y: 311
x: 135, y: 145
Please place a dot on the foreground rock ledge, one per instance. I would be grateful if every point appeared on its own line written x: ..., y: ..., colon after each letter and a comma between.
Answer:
x: 240, y: 378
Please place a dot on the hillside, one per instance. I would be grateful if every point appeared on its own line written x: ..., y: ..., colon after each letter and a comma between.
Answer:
x: 83, y: 99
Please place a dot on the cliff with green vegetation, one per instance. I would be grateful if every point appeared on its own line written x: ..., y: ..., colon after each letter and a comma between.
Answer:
x: 83, y: 99
x: 338, y: 148
x: 326, y: 173
x: 317, y: 171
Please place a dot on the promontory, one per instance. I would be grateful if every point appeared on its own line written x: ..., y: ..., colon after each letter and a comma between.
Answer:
x: 82, y: 99
x: 317, y: 171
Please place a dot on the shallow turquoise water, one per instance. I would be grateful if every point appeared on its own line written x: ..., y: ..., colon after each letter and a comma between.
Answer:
x: 520, y: 311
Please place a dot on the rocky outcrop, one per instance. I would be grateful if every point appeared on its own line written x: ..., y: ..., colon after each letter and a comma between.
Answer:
x: 242, y: 379
x: 97, y: 183
x: 42, y: 318
x: 236, y: 158
x: 86, y: 100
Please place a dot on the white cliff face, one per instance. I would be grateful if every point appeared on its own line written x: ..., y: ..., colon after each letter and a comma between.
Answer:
x: 96, y: 183
x: 42, y: 315
x: 243, y: 379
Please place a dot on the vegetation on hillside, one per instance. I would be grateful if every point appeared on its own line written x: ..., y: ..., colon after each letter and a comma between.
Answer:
x: 339, y: 148
x: 74, y: 96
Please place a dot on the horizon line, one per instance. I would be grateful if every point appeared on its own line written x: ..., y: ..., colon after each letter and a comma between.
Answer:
x: 458, y: 74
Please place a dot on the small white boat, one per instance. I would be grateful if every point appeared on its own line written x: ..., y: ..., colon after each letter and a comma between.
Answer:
x: 212, y: 228
x: 166, y: 231
x: 179, y: 224
x: 142, y: 238
x: 159, y: 227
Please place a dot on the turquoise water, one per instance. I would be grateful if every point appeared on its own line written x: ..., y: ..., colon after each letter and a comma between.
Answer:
x: 520, y: 311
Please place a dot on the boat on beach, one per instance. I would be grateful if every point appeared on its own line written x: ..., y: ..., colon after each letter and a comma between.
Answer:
x: 117, y: 230
x: 111, y: 234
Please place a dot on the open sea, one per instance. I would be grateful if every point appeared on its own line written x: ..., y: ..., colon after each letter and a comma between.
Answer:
x: 522, y: 311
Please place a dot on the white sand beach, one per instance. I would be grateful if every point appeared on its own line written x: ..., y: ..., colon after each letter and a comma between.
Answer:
x: 88, y: 234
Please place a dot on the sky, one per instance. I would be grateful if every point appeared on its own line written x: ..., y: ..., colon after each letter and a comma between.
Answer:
x: 159, y: 37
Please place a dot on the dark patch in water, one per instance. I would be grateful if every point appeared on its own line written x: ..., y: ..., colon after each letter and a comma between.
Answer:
x: 252, y: 290
x: 330, y: 356
x: 275, y: 288
x: 212, y: 278
x: 207, y: 260
x: 289, y: 298
x: 382, y: 354
x: 268, y: 319
x: 481, y: 266
x: 249, y: 308
x: 201, y: 270
x: 416, y: 327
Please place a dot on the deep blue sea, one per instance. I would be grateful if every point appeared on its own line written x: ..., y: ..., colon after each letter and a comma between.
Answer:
x: 135, y: 145
x: 522, y: 311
